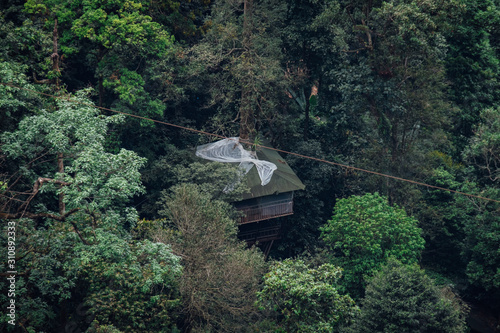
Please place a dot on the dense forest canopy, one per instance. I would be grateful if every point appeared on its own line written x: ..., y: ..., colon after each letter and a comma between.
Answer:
x: 110, y: 223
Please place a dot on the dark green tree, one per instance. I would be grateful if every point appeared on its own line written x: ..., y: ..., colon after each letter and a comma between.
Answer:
x: 300, y: 232
x: 472, y: 64
x: 481, y: 226
x: 401, y: 298
x: 391, y: 88
x: 480, y: 244
x: 313, y: 41
x: 239, y: 58
x: 441, y: 218
x: 220, y: 275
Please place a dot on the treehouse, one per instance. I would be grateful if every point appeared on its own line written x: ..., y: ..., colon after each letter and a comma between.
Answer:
x: 271, y: 182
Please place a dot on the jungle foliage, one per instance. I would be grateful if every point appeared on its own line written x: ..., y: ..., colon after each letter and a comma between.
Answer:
x: 119, y: 227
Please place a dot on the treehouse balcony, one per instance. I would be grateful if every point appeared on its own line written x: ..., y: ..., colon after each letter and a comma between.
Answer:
x: 265, y: 208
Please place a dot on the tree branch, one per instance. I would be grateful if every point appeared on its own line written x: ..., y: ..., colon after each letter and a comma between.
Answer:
x: 60, y: 218
x: 78, y: 233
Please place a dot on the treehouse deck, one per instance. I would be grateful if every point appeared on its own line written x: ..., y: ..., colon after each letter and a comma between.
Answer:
x: 265, y: 208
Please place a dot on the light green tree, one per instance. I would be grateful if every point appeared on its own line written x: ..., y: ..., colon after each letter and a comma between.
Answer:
x: 364, y: 231
x: 63, y: 191
x: 62, y: 152
x: 15, y: 103
x: 117, y: 40
x: 305, y: 299
x: 130, y: 285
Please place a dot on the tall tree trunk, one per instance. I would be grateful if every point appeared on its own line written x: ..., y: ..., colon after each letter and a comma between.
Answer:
x: 55, y: 68
x: 60, y: 169
x: 55, y: 55
x: 100, y: 83
x: 101, y: 90
x: 306, y: 119
x: 247, y: 122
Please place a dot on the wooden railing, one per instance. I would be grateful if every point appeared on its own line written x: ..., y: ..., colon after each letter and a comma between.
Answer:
x: 266, y: 211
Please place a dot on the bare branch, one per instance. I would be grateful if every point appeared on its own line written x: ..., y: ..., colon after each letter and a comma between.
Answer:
x: 29, y: 215
x: 78, y: 233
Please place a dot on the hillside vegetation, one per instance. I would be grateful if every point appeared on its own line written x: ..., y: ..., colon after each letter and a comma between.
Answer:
x: 110, y: 223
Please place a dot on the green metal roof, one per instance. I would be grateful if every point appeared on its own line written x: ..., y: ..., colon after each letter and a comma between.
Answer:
x: 283, y: 179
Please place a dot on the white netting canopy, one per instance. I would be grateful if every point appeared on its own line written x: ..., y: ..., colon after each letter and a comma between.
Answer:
x: 231, y: 151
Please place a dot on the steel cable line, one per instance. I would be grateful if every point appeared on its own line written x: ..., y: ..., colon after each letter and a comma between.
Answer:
x: 259, y: 145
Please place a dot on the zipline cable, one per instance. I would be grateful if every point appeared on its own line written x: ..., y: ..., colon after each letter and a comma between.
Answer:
x: 258, y: 145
